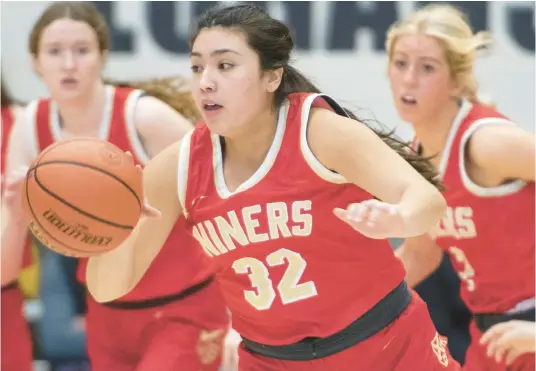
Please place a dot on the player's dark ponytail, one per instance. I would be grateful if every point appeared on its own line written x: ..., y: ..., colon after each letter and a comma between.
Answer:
x: 294, y: 81
x: 271, y: 40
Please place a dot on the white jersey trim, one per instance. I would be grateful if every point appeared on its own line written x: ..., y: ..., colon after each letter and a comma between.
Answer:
x: 132, y: 132
x: 182, y: 170
x: 465, y: 108
x: 308, y: 155
x: 30, y: 127
x: 262, y: 171
x: 477, y: 190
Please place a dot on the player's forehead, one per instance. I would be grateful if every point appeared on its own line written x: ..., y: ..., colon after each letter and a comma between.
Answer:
x: 217, y: 41
x: 67, y: 30
x: 418, y: 45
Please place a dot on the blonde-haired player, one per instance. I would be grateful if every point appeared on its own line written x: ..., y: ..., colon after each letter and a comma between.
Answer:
x: 487, y: 165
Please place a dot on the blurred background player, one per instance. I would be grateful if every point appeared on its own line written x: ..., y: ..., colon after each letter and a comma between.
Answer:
x: 175, y: 318
x: 487, y: 165
x: 306, y: 290
x: 16, y: 352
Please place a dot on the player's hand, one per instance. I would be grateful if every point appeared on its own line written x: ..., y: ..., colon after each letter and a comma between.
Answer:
x: 373, y: 218
x: 146, y: 209
x: 513, y: 339
x: 230, y: 351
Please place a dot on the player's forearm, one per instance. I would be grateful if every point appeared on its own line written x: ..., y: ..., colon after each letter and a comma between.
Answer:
x: 421, y: 208
x: 418, y: 264
x: 111, y: 275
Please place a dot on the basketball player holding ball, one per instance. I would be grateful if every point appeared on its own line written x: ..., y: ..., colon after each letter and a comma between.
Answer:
x: 175, y: 318
x: 293, y: 200
x: 487, y: 165
x: 16, y: 254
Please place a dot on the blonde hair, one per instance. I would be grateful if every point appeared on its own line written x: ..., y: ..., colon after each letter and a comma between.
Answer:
x: 450, y: 27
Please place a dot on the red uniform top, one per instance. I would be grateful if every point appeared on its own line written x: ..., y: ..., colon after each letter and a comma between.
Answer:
x: 7, y: 124
x: 180, y: 264
x: 287, y: 266
x: 488, y: 232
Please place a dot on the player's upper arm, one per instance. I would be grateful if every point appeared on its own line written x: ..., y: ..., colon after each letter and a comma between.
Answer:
x: 158, y: 124
x: 114, y: 274
x: 22, y: 148
x: 358, y: 154
x: 503, y: 152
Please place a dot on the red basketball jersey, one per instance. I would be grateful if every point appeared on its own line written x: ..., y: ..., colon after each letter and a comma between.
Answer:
x: 287, y: 266
x: 179, y: 264
x: 488, y: 232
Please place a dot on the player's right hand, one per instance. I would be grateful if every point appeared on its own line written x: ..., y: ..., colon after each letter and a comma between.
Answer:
x: 146, y: 209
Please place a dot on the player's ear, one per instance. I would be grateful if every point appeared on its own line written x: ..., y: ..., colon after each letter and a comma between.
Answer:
x: 274, y: 78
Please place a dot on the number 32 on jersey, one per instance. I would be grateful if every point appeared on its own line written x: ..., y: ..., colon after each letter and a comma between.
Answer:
x: 289, y: 287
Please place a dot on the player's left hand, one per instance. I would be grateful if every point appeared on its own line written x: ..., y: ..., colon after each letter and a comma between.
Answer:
x: 513, y: 339
x: 373, y: 218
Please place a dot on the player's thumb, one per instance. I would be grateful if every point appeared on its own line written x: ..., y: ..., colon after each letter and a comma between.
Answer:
x: 342, y: 214
x: 149, y: 211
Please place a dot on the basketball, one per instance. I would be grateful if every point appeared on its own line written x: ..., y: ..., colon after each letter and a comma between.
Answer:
x: 82, y: 197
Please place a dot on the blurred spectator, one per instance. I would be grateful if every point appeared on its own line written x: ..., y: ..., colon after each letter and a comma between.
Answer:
x: 63, y: 333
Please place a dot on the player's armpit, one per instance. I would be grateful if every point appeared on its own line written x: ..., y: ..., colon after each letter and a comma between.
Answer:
x: 503, y: 152
x: 363, y: 158
x: 114, y: 274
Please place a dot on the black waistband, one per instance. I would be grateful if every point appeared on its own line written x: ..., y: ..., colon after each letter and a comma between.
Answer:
x: 162, y: 300
x: 373, y: 321
x: 485, y: 320
x: 10, y: 286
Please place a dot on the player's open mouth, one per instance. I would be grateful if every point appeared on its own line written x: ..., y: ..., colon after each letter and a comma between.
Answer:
x: 211, y: 107
x: 69, y: 82
x: 408, y: 99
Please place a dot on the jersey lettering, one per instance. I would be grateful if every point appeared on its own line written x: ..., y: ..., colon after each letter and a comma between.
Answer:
x: 246, y: 226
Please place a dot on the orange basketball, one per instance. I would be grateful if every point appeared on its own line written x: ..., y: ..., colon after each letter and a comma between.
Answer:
x: 82, y: 197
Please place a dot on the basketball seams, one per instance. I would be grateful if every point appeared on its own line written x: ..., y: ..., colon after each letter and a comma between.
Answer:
x: 35, y: 219
x: 75, y: 208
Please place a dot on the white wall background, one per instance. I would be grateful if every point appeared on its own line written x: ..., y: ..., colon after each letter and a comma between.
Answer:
x: 356, y: 77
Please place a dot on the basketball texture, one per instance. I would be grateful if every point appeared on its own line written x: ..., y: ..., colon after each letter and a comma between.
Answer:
x: 82, y: 197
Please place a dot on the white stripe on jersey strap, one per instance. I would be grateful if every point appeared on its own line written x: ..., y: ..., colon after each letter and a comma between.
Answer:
x: 30, y: 128
x: 132, y: 131
x: 265, y: 167
x: 182, y: 171
x: 498, y: 191
x: 308, y: 155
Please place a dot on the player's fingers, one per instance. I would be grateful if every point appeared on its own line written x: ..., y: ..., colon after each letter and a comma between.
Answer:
x: 383, y: 206
x: 511, y: 356
x: 342, y: 214
x: 494, y: 332
x: 358, y: 212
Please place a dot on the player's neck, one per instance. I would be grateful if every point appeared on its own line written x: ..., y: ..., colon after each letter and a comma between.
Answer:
x: 432, y: 134
x: 83, y: 116
x: 249, y: 148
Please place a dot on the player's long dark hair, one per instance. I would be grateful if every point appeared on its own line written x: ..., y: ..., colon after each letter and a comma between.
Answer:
x: 273, y: 43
